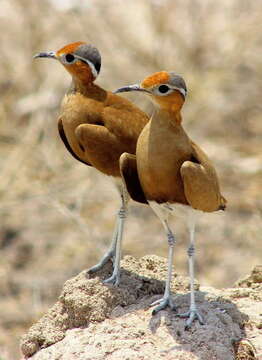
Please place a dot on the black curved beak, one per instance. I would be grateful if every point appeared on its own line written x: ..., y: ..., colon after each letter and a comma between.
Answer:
x: 135, y: 87
x: 50, y: 54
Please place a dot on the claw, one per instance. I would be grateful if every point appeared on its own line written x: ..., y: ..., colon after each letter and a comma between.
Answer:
x: 108, y: 256
x: 192, y: 315
x: 114, y: 280
x: 163, y: 303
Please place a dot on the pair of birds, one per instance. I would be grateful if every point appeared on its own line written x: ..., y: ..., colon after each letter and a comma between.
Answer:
x: 154, y: 159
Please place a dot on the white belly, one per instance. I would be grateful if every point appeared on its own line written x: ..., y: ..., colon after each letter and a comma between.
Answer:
x: 185, y: 212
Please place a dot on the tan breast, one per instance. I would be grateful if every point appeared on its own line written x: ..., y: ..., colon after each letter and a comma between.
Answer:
x: 162, y: 148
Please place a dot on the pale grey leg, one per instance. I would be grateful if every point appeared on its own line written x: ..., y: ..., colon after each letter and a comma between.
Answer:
x: 115, y: 278
x: 114, y: 252
x: 167, y: 299
x: 110, y: 254
x: 193, y: 313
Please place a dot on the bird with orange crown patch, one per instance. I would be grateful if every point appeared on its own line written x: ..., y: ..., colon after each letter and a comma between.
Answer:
x: 175, y: 175
x: 96, y: 127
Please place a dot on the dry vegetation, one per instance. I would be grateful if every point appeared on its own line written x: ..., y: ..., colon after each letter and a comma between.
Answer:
x: 56, y: 214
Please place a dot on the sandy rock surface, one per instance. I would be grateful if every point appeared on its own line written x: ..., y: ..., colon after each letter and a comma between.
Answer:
x: 94, y: 321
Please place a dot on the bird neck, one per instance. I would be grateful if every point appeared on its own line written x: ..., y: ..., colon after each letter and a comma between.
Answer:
x: 169, y: 117
x: 82, y: 86
x: 88, y: 89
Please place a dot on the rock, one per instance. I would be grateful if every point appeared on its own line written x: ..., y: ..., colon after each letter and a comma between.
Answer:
x: 252, y: 280
x: 95, y: 321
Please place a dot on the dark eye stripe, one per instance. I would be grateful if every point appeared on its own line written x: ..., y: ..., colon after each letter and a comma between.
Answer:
x: 97, y: 66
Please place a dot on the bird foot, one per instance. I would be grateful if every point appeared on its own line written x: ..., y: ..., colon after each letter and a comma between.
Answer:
x: 163, y: 303
x: 114, y: 280
x: 192, y: 315
x: 110, y: 255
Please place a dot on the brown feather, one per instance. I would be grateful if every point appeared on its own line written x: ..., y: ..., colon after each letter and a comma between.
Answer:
x: 201, y: 183
x: 172, y: 168
x: 129, y: 174
x: 64, y: 139
x: 99, y: 126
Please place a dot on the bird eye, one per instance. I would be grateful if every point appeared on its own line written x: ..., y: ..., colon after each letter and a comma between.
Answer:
x: 69, y: 58
x: 163, y: 89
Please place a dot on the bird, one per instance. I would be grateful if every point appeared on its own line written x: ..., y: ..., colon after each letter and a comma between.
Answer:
x: 175, y: 175
x: 96, y: 127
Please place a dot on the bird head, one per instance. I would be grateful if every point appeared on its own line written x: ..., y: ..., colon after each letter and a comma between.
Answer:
x: 166, y: 89
x: 81, y: 60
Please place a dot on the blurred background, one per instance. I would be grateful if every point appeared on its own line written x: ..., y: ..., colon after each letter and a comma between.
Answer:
x: 56, y: 214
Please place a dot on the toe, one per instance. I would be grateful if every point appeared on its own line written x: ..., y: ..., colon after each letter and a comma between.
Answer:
x: 200, y: 318
x: 163, y: 303
x: 161, y: 306
x: 114, y: 280
x: 191, y: 315
x: 107, y: 257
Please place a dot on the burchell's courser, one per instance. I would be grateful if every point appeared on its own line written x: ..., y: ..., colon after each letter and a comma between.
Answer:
x: 96, y: 127
x: 175, y: 175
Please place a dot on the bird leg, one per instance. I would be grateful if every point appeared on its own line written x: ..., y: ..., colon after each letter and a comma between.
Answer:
x: 110, y: 254
x: 167, y: 299
x: 193, y: 313
x: 115, y: 278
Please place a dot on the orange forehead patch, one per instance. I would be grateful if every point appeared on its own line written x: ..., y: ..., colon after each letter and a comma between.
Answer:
x: 70, y: 48
x: 157, y: 78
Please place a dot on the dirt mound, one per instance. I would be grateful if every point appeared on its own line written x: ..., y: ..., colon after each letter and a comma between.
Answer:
x: 94, y: 321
